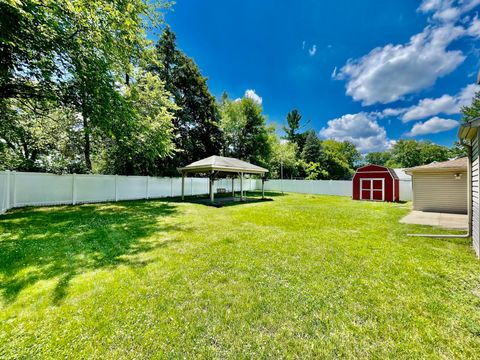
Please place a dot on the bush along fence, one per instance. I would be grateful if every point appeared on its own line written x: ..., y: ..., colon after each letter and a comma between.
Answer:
x: 18, y: 189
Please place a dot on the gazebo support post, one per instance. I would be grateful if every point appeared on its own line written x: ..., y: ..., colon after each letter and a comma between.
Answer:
x: 233, y: 187
x: 212, y: 196
x: 263, y: 188
x: 241, y: 186
x: 183, y: 186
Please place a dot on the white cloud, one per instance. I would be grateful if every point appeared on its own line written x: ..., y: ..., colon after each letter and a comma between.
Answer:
x: 465, y: 97
x: 251, y: 94
x: 392, y: 112
x: 334, y: 72
x: 445, y: 104
x: 303, y: 44
x: 474, y: 28
x: 313, y: 50
x: 433, y: 126
x: 388, y: 73
x: 447, y: 10
x: 361, y: 129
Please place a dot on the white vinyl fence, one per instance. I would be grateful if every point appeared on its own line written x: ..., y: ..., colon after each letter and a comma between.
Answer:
x: 406, y: 190
x: 19, y: 189
x: 325, y: 187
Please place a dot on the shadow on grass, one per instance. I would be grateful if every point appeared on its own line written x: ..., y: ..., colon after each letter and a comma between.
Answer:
x: 226, y: 199
x: 62, y: 242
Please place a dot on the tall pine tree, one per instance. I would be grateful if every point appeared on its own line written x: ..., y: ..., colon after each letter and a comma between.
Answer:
x: 312, y: 151
x: 197, y: 132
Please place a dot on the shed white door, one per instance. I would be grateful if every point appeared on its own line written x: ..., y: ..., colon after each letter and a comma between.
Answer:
x: 372, y: 189
x: 440, y: 192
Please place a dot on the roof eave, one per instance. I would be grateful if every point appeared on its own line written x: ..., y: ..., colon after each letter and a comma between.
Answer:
x: 436, y: 170
x: 202, y: 168
x: 469, y: 130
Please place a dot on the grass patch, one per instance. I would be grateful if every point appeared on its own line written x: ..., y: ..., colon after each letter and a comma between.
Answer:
x: 300, y: 276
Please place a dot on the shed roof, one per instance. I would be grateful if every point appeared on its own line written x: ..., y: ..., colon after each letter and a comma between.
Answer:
x: 223, y: 164
x: 401, y: 174
x: 451, y: 165
x: 373, y: 169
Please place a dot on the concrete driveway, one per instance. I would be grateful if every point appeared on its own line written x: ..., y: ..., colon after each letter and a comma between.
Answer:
x: 444, y: 220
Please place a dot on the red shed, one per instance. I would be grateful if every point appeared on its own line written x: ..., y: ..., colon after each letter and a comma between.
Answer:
x: 374, y: 182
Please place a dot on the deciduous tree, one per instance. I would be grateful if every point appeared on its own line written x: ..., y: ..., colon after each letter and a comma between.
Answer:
x: 246, y: 132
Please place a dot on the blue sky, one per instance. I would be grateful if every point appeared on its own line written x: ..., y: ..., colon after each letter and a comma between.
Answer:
x: 366, y: 71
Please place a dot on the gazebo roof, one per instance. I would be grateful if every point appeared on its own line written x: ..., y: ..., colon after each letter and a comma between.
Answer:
x: 222, y: 164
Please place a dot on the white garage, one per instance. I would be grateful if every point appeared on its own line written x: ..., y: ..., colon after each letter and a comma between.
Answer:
x: 441, y: 186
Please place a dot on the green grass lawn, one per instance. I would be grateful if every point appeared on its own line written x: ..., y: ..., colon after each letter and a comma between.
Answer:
x: 300, y: 276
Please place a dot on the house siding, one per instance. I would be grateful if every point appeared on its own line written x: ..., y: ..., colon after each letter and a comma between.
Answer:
x: 475, y: 195
x: 440, y: 192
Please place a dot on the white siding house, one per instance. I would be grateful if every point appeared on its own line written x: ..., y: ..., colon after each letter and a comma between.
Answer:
x: 441, y: 186
x: 469, y: 134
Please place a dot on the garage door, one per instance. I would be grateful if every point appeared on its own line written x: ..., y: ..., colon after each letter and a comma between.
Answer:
x: 372, y: 189
x: 440, y: 192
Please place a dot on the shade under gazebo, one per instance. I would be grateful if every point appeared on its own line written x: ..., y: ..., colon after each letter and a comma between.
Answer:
x: 214, y: 166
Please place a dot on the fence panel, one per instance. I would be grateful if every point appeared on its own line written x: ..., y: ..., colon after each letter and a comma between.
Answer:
x: 406, y: 190
x: 131, y: 187
x: 40, y: 189
x: 4, y: 191
x: 159, y: 187
x: 94, y: 188
x: 326, y: 187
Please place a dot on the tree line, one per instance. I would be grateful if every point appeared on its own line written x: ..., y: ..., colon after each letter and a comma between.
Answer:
x: 83, y: 90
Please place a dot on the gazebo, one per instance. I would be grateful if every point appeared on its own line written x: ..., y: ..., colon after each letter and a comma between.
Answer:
x: 218, y: 166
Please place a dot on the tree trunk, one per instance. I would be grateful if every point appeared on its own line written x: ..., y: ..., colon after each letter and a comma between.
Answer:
x: 88, y: 161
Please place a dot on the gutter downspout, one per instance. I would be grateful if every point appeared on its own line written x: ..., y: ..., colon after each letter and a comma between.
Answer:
x: 469, y: 206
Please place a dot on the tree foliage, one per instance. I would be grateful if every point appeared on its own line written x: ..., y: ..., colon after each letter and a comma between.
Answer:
x: 378, y: 157
x: 196, y: 120
x: 245, y: 131
x: 284, y: 156
x: 345, y: 150
x: 472, y: 111
x: 62, y: 93
x: 410, y: 153
x: 293, y: 125
x: 312, y: 151
x: 45, y: 41
x: 141, y: 143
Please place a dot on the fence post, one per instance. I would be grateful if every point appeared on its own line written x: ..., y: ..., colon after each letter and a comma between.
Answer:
x: 14, y: 189
x: 74, y: 189
x: 8, y: 191
x: 146, y: 189
x: 116, y: 188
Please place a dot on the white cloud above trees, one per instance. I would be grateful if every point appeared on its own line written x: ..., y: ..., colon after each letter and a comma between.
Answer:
x: 433, y: 126
x: 362, y: 129
x: 388, y: 73
x: 251, y: 94
x: 445, y: 104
